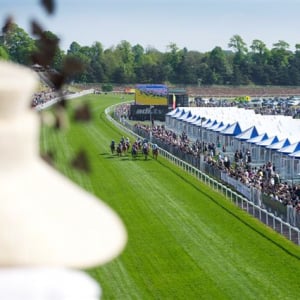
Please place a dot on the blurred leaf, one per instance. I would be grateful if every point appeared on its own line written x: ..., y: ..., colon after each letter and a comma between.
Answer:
x: 72, y: 66
x: 83, y: 113
x: 61, y: 118
x: 49, y: 6
x: 57, y: 79
x: 81, y: 162
x: 47, y: 46
x: 7, y: 25
x: 36, y: 28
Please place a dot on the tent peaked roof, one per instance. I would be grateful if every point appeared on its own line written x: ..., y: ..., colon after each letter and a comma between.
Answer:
x: 247, y: 134
x: 258, y: 138
x: 290, y: 148
x: 194, y: 118
x: 221, y: 128
x: 173, y: 112
x: 211, y: 123
x: 280, y: 144
x: 295, y: 154
x: 205, y: 121
x: 196, y: 121
x: 179, y: 114
x: 233, y: 130
x: 270, y: 141
x: 199, y: 121
x: 185, y: 116
x: 216, y: 126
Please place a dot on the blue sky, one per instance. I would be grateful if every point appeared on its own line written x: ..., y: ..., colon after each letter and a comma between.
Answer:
x: 195, y: 24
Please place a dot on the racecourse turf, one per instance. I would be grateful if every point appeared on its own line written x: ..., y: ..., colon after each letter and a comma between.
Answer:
x: 185, y: 240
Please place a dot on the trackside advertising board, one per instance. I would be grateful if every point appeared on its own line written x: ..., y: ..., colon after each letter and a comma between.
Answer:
x: 151, y: 94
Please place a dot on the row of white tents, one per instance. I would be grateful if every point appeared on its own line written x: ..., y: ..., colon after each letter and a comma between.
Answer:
x: 274, y: 138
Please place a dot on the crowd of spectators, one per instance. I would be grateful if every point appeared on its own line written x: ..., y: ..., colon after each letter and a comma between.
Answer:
x: 43, y: 97
x: 263, y: 177
x: 47, y: 95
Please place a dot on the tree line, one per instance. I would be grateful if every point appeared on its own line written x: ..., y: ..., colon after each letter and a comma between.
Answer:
x: 124, y: 63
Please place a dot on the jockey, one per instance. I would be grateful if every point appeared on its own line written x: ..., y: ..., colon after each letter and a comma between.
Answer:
x: 112, y: 142
x: 154, y: 146
x: 145, y: 145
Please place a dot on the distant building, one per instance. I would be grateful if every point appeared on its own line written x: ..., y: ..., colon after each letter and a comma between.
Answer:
x: 177, y: 97
x: 154, y: 101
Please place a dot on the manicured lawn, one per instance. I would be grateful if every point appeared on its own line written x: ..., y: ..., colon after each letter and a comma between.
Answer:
x: 185, y: 240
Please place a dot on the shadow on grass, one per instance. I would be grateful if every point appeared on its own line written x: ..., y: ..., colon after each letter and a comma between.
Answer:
x: 104, y: 153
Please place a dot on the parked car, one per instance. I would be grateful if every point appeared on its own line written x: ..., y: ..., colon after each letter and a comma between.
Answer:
x: 256, y: 102
x: 293, y: 102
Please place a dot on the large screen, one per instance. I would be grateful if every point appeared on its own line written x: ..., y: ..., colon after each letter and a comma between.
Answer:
x: 151, y: 94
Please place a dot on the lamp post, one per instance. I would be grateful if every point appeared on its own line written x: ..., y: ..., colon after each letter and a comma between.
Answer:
x: 151, y: 127
x: 151, y: 106
x: 201, y: 124
x: 202, y: 143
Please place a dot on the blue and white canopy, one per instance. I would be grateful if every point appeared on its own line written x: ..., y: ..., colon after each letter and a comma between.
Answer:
x: 232, y: 130
x: 281, y: 144
x: 211, y: 123
x: 221, y: 128
x: 216, y: 126
x: 173, y: 112
x: 258, y: 138
x: 198, y: 121
x: 185, y: 116
x: 194, y: 118
x: 204, y: 122
x: 290, y: 148
x: 270, y: 141
x: 178, y: 114
x: 247, y: 134
x: 295, y: 154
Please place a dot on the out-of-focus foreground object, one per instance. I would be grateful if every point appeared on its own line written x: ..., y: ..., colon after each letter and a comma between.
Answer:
x: 45, y: 219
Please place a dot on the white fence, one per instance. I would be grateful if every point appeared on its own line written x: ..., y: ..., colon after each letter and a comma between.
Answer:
x: 289, y: 231
x: 67, y: 97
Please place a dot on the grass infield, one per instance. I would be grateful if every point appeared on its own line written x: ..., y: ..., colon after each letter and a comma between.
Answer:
x: 185, y: 240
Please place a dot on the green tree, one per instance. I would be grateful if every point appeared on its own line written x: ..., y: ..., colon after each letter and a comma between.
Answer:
x: 280, y: 60
x: 237, y: 44
x: 83, y: 54
x: 19, y: 45
x: 259, y: 58
x: 126, y: 68
x: 138, y: 54
x: 218, y: 65
x: 240, y: 61
x: 110, y: 64
x: 294, y: 67
x: 96, y: 65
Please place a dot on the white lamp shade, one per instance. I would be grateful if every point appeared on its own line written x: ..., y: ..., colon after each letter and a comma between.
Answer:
x: 45, y: 219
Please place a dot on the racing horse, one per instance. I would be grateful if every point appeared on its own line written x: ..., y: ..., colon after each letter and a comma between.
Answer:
x: 145, y: 150
x: 134, y: 151
x: 112, y: 147
x: 119, y: 149
x: 124, y: 146
x: 155, y: 152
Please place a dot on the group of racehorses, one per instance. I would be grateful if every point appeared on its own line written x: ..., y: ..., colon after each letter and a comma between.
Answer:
x: 139, y: 146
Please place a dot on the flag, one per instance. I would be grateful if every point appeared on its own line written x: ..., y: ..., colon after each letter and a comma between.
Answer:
x: 174, y: 101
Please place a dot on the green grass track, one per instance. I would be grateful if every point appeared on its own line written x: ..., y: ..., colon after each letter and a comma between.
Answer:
x: 185, y: 240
